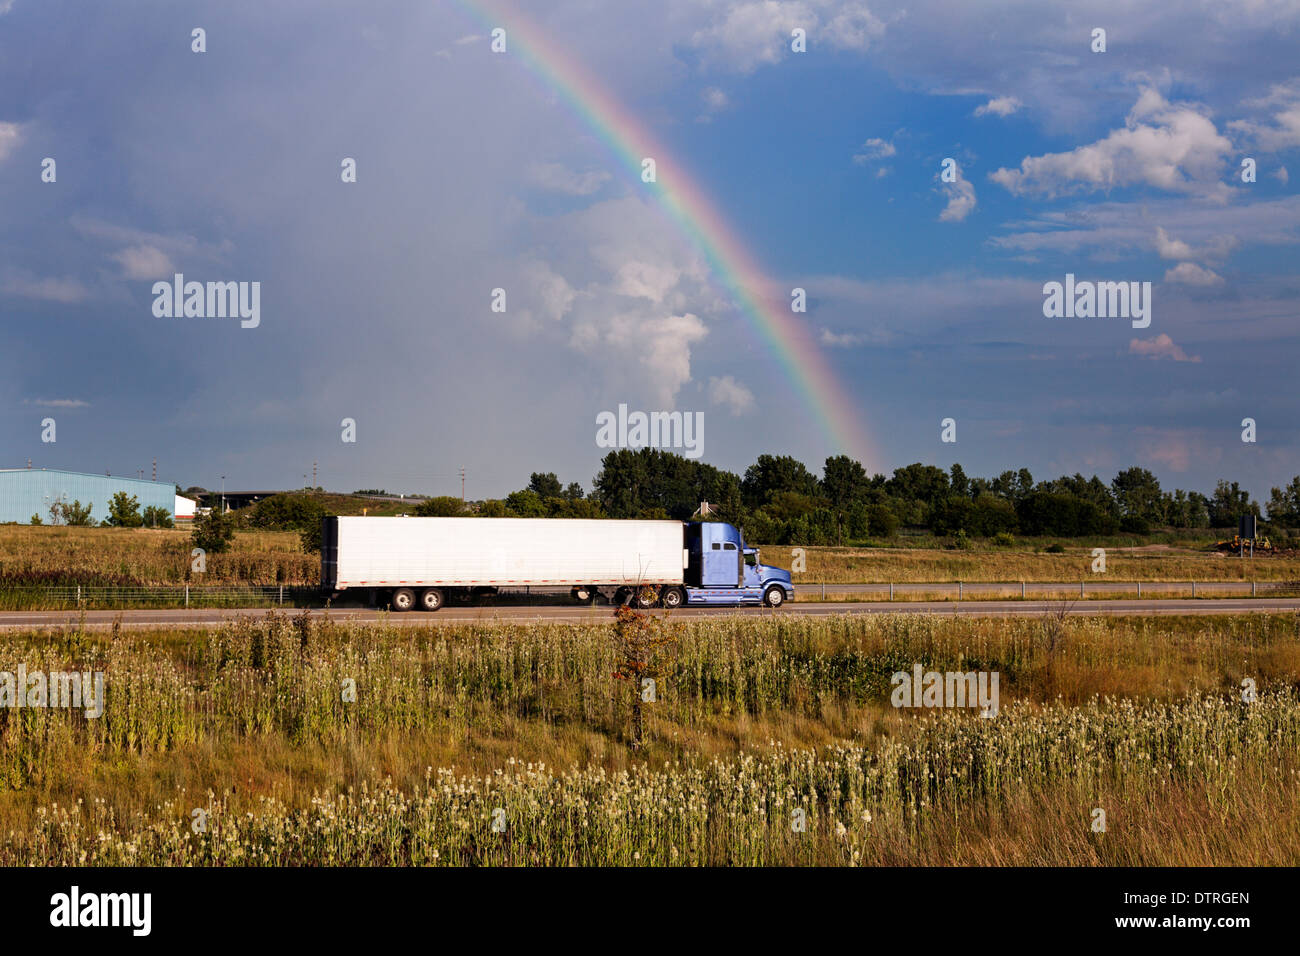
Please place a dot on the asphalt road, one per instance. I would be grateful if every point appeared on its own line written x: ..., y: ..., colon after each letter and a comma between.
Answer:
x: 204, y: 617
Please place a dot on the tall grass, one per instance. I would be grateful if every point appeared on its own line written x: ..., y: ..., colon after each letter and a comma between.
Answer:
x: 859, y: 804
x: 753, y: 717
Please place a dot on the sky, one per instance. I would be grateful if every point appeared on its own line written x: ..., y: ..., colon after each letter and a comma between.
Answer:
x: 777, y: 169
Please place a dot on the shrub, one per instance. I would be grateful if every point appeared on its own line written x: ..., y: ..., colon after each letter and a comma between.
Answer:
x: 155, y: 517
x: 213, y: 531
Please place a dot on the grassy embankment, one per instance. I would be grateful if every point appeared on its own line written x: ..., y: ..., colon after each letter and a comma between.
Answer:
x: 755, y: 718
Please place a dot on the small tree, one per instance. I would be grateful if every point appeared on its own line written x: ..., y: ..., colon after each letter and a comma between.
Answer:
x: 36, y: 519
x: 155, y: 517
x: 638, y: 639
x: 443, y: 506
x: 74, y: 515
x: 124, y: 511
x: 213, y: 531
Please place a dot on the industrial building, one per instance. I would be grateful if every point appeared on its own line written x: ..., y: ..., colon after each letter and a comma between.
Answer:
x: 31, y: 491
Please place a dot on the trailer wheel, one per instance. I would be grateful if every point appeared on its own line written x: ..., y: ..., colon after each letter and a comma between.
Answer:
x: 774, y: 596
x: 582, y: 594
x: 646, y: 597
x: 431, y: 600
x: 403, y: 599
x: 673, y: 597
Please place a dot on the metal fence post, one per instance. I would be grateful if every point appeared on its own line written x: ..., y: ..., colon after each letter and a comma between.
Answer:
x: 959, y: 591
x: 1193, y: 589
x: 1080, y: 589
x: 187, y: 595
x: 281, y: 594
x: 1022, y: 590
x: 891, y: 590
x: 78, y: 593
x: 823, y: 590
x: 1252, y: 588
x: 1139, y: 590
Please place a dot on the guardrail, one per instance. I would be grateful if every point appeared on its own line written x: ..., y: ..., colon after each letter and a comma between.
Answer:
x: 1083, y: 589
x: 90, y: 597
x: 96, y: 596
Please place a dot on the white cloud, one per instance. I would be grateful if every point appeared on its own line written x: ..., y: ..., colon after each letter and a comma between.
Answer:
x: 961, y: 199
x: 10, y: 135
x: 468, y: 38
x: 999, y: 106
x: 715, y: 101
x: 1282, y: 129
x: 55, y: 402
x: 874, y: 148
x: 1189, y: 273
x: 1282, y: 175
x: 1171, y: 147
x: 1171, y: 248
x: 561, y: 179
x: 727, y: 391
x: 841, y: 340
x: 50, y: 289
x: 144, y: 262
x: 747, y: 35
x: 1160, y: 347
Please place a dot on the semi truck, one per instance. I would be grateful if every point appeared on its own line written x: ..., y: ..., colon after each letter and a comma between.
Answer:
x: 420, y: 563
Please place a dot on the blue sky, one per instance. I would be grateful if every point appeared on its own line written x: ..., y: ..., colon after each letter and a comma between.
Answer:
x: 473, y: 174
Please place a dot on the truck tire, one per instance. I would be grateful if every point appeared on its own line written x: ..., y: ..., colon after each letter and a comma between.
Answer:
x: 431, y: 600
x: 673, y: 598
x: 403, y: 599
x: 774, y: 596
x: 646, y: 597
x: 582, y: 594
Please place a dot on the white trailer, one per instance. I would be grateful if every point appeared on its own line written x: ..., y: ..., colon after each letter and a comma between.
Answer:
x: 415, y: 562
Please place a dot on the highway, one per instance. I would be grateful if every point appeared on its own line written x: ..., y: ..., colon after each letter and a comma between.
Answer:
x: 208, y: 617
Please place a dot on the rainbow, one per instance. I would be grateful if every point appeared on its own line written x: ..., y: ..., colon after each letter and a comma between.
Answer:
x: 766, y: 308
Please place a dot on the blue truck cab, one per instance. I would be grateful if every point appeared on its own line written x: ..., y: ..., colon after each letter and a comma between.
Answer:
x: 722, y: 569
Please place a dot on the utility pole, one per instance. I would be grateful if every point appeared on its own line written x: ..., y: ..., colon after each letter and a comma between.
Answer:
x: 155, y: 468
x: 313, y: 476
x: 462, y: 484
x: 223, y: 494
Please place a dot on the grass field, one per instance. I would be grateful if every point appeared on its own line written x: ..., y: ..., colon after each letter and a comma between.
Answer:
x: 60, y: 556
x: 454, y: 728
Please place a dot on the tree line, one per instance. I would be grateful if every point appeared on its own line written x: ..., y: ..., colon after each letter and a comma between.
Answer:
x: 779, y: 500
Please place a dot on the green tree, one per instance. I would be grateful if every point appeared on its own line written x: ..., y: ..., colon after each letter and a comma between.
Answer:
x: 73, y: 515
x: 844, y: 484
x: 124, y: 511
x: 1137, y: 492
x: 155, y: 517
x: 213, y: 531
x: 36, y: 519
x: 545, y: 485
x: 774, y: 473
x: 442, y: 506
x: 1284, y: 505
x: 525, y: 504
x: 1229, y: 503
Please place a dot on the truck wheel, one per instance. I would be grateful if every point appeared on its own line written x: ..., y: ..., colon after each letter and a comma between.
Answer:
x: 431, y: 600
x: 582, y: 594
x: 403, y: 599
x: 673, y: 597
x: 774, y: 596
x: 646, y: 597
